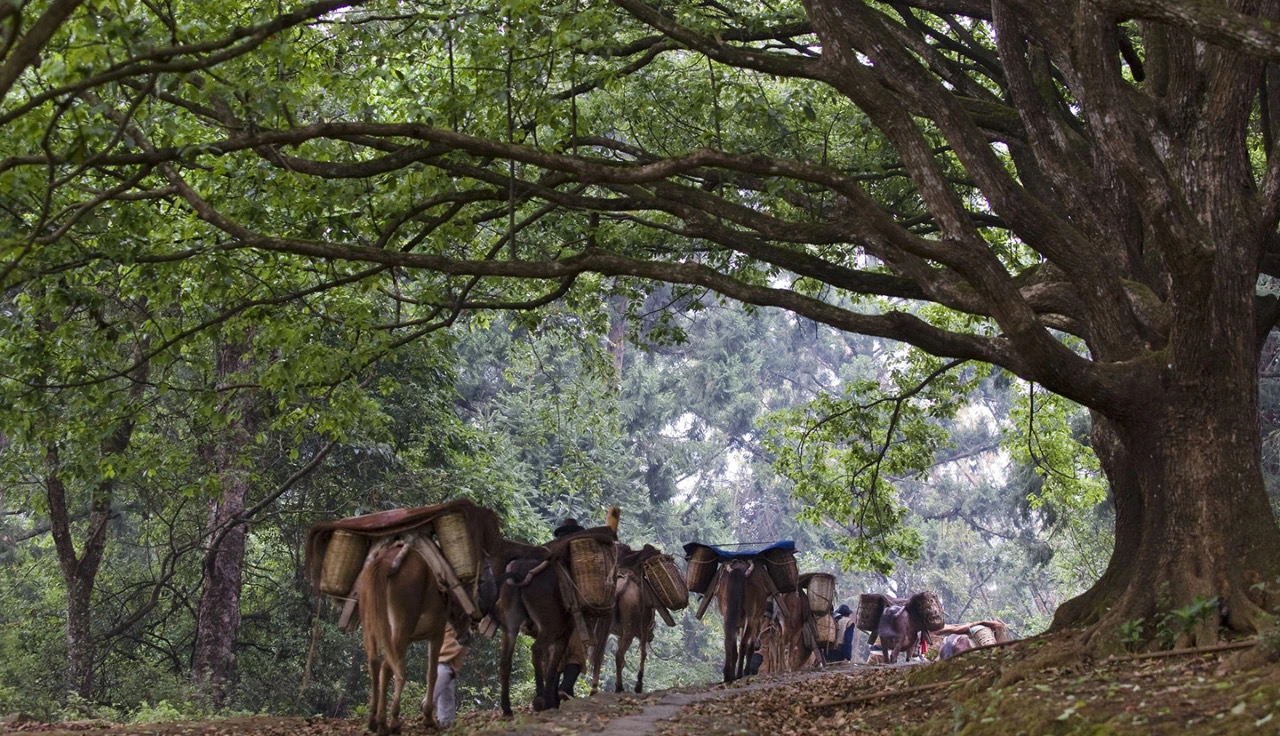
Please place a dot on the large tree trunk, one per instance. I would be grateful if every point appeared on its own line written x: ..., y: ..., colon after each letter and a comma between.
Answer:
x: 218, y: 614
x: 78, y: 571
x: 1207, y: 528
x: 1189, y: 470
x: 1126, y: 501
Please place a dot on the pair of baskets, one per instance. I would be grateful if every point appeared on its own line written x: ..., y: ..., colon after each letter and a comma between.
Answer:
x: 593, y: 568
x: 780, y: 563
x: 345, y: 554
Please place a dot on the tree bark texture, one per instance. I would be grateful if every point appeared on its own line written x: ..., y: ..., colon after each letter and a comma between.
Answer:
x: 80, y: 570
x: 78, y: 574
x: 218, y: 612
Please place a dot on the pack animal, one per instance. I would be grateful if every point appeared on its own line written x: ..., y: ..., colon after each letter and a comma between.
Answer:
x: 955, y: 644
x: 529, y: 600
x: 741, y: 597
x: 634, y: 619
x: 398, y: 606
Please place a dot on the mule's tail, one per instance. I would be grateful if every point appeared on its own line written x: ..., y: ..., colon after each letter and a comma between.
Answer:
x: 511, y: 578
x: 374, y: 615
x: 734, y: 600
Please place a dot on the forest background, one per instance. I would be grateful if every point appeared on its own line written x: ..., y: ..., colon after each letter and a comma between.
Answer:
x: 680, y: 419
x: 184, y: 396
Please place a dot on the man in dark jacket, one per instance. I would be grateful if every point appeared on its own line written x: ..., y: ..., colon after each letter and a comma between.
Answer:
x: 845, y: 630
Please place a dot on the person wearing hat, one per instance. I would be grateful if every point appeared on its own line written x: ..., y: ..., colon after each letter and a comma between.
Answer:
x: 576, y: 658
x: 842, y: 651
x: 567, y: 527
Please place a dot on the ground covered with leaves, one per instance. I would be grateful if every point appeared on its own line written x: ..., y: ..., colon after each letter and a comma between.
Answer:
x: 996, y: 691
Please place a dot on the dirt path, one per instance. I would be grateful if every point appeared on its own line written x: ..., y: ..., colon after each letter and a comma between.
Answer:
x: 646, y: 722
x: 1181, y: 695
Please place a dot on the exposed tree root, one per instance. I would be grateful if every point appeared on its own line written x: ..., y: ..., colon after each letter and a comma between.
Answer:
x: 1063, y: 649
x: 1194, y: 650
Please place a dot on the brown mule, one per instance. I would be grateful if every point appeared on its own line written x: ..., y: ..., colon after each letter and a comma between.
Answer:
x: 398, y: 606
x: 529, y: 599
x: 634, y: 619
x: 794, y: 646
x: 741, y: 597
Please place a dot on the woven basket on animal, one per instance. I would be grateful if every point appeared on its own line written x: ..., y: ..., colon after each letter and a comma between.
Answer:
x: 924, y: 607
x: 481, y: 525
x: 982, y: 636
x: 457, y: 545
x: 703, y: 563
x: 779, y: 560
x: 929, y: 609
x: 820, y: 587
x: 661, y: 573
x: 591, y: 560
x: 342, y: 562
x: 870, y: 606
x: 783, y: 569
x: 826, y: 625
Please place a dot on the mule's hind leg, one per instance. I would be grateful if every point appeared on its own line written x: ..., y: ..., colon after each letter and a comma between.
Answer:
x: 384, y: 674
x: 433, y: 661
x: 600, y: 639
x: 620, y: 661
x: 375, y: 677
x: 504, y: 667
x: 644, y: 652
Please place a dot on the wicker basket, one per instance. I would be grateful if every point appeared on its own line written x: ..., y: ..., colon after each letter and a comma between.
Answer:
x: 667, y: 582
x: 591, y: 564
x: 870, y: 606
x: 702, y: 569
x: 343, y: 559
x: 822, y: 592
x: 782, y: 568
x: 826, y: 630
x: 982, y: 636
x: 454, y: 536
x: 931, y: 611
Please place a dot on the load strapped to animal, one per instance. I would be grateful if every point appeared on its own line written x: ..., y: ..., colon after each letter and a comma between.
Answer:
x: 826, y: 624
x: 706, y: 562
x: 668, y: 585
x: 452, y: 538
x: 343, y: 560
x: 821, y: 589
x: 870, y: 606
x: 594, y: 569
x: 781, y: 564
x: 703, y: 565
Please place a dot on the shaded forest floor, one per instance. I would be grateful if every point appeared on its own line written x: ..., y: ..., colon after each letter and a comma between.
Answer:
x: 1184, y: 694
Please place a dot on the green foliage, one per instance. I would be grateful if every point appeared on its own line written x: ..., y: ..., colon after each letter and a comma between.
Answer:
x: 1175, y: 623
x: 1131, y: 633
x: 840, y: 452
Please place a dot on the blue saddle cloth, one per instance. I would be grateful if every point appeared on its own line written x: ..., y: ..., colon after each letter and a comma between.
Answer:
x: 739, y: 552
